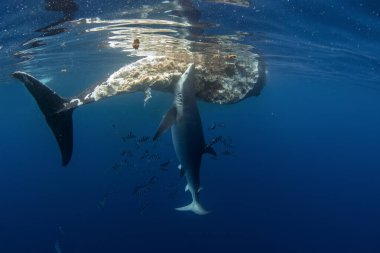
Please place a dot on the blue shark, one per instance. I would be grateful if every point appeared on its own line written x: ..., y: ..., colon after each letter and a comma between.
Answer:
x: 187, y: 134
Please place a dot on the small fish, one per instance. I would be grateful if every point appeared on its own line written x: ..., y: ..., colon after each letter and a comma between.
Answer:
x: 141, y: 190
x: 143, y: 139
x: 128, y: 164
x: 143, y: 206
x: 164, y: 164
x: 144, y: 188
x: 145, y: 154
x: 226, y: 152
x: 129, y: 153
x: 215, y: 140
x: 116, y: 166
x: 227, y: 143
x: 129, y: 136
x: 154, y: 157
x: 152, y: 180
x: 212, y: 127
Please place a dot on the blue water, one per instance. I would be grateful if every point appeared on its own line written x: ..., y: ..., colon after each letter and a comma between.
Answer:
x: 302, y: 174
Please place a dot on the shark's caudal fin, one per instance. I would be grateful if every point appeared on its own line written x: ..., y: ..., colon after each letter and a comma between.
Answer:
x: 57, y: 116
x: 194, y: 207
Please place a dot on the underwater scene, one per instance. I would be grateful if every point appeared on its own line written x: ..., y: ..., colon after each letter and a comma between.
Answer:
x: 190, y: 126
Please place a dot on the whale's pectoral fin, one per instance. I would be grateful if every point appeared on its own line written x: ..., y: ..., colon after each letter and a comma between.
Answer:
x: 166, y: 122
x: 208, y: 149
x: 57, y: 116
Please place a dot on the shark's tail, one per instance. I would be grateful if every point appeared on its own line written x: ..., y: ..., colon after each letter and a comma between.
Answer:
x: 58, y: 115
x: 195, y: 207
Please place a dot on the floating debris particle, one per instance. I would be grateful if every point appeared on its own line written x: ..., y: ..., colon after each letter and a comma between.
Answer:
x: 136, y: 44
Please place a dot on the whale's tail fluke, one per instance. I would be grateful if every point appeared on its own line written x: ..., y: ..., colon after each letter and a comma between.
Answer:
x: 195, y: 207
x: 58, y: 115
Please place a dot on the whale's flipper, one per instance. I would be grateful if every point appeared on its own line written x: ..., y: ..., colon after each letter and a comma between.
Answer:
x: 58, y: 117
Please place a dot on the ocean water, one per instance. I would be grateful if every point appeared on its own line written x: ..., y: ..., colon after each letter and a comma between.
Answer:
x: 298, y: 170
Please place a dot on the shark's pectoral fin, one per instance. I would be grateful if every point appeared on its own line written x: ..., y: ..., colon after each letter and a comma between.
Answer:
x: 208, y: 149
x: 181, y: 171
x: 166, y: 122
x: 58, y: 116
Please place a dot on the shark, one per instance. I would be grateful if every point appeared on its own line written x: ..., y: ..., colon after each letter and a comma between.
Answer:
x: 187, y: 134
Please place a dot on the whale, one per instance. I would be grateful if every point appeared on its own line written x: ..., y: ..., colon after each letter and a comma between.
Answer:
x: 187, y: 135
x: 223, y: 75
x: 217, y: 80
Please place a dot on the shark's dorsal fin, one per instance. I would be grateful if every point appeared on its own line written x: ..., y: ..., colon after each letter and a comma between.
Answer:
x: 208, y: 149
x: 166, y: 122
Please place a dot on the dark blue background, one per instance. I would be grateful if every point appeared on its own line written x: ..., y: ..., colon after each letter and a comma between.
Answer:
x: 304, y: 174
